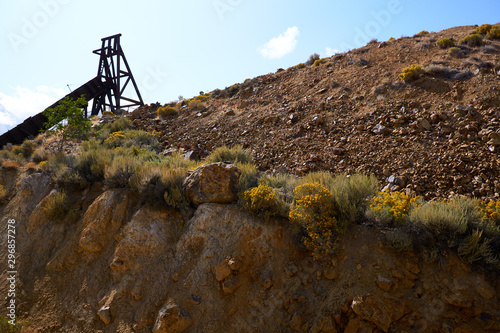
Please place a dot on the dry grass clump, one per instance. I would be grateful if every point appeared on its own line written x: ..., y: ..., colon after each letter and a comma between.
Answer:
x: 249, y: 176
x: 55, y: 207
x: 236, y: 154
x: 40, y: 155
x: 119, y: 172
x: 26, y: 149
x: 456, y: 52
x: 312, y: 59
x: 172, y: 180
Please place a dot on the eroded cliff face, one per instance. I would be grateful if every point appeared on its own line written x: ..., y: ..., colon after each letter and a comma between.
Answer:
x: 120, y: 265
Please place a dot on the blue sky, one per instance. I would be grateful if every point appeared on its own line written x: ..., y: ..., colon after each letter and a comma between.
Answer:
x: 184, y: 47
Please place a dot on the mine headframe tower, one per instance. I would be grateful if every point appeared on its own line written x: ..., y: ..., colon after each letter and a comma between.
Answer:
x: 114, y: 72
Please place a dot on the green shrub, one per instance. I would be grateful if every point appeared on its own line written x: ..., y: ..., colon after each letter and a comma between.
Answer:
x: 411, y: 73
x: 108, y: 114
x: 301, y: 65
x: 445, y: 43
x: 472, y: 40
x: 484, y: 29
x: 314, y: 211
x: 264, y: 201
x: 120, y: 124
x: 235, y: 154
x: 55, y: 207
x: 166, y: 111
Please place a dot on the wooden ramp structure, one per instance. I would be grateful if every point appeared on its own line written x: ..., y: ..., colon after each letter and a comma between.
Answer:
x: 106, y: 90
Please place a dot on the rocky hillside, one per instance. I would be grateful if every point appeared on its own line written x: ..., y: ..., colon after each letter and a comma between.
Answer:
x: 439, y: 134
x: 122, y: 233
x: 122, y: 266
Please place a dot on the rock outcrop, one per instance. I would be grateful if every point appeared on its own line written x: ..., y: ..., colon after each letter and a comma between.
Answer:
x: 124, y: 268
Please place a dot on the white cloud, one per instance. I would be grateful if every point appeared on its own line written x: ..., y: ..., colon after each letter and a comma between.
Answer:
x: 282, y: 45
x: 329, y: 51
x: 24, y: 102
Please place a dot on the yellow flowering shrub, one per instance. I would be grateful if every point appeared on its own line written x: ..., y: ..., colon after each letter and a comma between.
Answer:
x: 264, y: 201
x: 483, y: 29
x: 472, y: 40
x: 490, y: 210
x: 411, y: 73
x: 314, y: 211
x: 318, y: 62
x: 494, y: 33
x: 116, y: 138
x: 395, y: 205
x: 166, y: 111
x: 445, y: 43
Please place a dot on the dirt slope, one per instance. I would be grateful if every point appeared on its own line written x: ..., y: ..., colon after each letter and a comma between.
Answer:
x: 436, y: 132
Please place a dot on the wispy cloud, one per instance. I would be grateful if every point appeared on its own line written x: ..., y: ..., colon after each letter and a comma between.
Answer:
x: 329, y: 51
x: 282, y: 45
x: 15, y: 108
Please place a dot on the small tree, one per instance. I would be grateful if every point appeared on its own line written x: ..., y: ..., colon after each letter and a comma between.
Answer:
x: 68, y: 118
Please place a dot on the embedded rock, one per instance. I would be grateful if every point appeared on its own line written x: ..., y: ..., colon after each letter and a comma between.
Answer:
x: 213, y: 183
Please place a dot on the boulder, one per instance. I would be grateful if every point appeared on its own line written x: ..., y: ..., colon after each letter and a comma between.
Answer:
x: 213, y: 183
x: 172, y: 319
